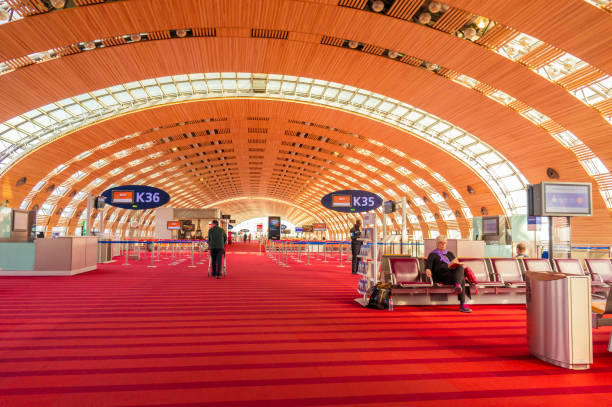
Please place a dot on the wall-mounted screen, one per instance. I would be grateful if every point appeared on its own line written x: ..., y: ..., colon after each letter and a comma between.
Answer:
x: 174, y: 225
x: 319, y: 227
x: 560, y: 199
x: 388, y: 206
x: 490, y: 225
x: 567, y: 199
x: 298, y: 229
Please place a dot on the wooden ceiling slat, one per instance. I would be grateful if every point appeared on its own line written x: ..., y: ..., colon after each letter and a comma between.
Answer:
x: 541, y: 56
x: 452, y: 20
x: 360, y: 4
x: 405, y: 9
x: 27, y: 7
x: 87, y: 2
x: 497, y: 36
x: 582, y: 77
x: 604, y: 107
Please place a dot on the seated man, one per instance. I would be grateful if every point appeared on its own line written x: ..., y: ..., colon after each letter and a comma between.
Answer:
x: 521, y: 250
x: 444, y: 267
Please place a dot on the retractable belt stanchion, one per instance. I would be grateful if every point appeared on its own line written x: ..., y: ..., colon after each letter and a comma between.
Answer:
x: 325, y: 252
x: 308, y: 252
x: 152, y: 256
x: 192, y: 258
x: 341, y: 244
x: 127, y: 251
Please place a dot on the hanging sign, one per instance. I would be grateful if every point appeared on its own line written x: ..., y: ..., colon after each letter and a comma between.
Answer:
x: 534, y: 223
x: 351, y: 201
x: 136, y: 197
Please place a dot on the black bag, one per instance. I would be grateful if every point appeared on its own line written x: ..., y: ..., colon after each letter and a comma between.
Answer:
x: 379, y: 296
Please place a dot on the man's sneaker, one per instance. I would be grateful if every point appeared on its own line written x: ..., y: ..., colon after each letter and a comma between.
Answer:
x: 465, y: 308
x: 458, y: 289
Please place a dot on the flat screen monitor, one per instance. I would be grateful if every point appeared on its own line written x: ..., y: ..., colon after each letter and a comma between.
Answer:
x: 174, y: 225
x: 566, y: 199
x: 490, y: 226
x: 389, y: 206
x: 298, y: 229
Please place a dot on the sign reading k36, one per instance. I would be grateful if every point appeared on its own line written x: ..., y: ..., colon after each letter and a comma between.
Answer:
x: 351, y: 201
x: 136, y: 197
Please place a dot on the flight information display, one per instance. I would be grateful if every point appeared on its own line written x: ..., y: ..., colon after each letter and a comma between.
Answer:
x: 567, y: 199
x: 274, y: 227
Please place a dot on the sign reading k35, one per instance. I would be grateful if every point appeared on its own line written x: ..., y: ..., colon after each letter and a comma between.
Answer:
x: 136, y: 197
x: 351, y: 201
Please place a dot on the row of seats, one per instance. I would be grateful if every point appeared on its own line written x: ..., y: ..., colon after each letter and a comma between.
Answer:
x: 407, y: 272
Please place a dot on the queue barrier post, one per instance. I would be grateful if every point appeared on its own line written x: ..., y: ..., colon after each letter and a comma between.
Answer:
x: 127, y: 250
x: 152, y: 256
x: 325, y: 253
x: 340, y: 249
x: 192, y: 258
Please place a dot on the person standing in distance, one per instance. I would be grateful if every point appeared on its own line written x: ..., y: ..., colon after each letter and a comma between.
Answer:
x: 356, y: 244
x: 521, y: 250
x: 216, y: 243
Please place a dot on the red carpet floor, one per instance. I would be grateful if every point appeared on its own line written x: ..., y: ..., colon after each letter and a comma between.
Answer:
x: 265, y: 336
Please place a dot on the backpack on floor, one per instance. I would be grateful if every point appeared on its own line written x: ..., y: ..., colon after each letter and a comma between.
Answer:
x: 379, y: 296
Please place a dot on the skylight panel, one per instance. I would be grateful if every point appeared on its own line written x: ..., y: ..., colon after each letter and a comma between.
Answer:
x: 520, y: 46
x: 465, y: 140
x: 418, y: 164
x: 447, y: 215
x: 83, y: 155
x: 388, y: 177
x: 108, y: 100
x: 122, y: 153
x: 100, y: 163
x: 535, y: 116
x: 79, y: 196
x: 465, y: 81
x: 512, y: 183
x: 466, y: 212
x: 13, y: 135
x: 116, y: 171
x: 405, y: 188
x: 403, y: 170
x: 96, y: 182
x: 567, y: 138
x: 46, y: 209
x: 135, y: 162
x: 376, y: 182
x: 420, y: 182
x: 384, y: 160
x: 418, y: 201
x: 59, y: 168
x: 78, y: 175
x: 594, y: 166
x: 436, y: 198
x: 76, y: 109
x: 429, y: 217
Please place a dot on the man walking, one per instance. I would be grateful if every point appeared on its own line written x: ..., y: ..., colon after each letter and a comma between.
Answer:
x: 216, y: 242
x: 356, y: 244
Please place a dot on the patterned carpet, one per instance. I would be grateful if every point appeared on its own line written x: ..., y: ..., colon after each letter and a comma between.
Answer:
x: 265, y: 335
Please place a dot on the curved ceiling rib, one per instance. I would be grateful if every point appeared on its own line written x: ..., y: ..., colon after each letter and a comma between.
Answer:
x: 122, y: 99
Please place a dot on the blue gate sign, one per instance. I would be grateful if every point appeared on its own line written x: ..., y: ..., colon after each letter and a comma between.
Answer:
x: 351, y: 201
x: 136, y: 197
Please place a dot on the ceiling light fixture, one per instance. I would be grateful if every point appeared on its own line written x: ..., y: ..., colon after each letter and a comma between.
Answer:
x: 58, y: 3
x: 424, y: 18
x: 393, y: 54
x: 378, y: 6
x: 4, y: 15
x: 181, y: 33
x: 482, y: 22
x: 353, y: 44
x: 135, y: 37
x: 89, y: 45
x: 469, y: 33
x: 434, y: 7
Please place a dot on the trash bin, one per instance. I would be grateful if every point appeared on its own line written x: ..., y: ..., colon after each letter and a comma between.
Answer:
x: 559, y: 327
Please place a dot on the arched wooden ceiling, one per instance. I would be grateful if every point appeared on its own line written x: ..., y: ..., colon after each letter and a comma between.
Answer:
x: 304, y: 31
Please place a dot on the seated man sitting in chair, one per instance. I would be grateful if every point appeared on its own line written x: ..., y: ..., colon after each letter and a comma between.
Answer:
x: 444, y: 267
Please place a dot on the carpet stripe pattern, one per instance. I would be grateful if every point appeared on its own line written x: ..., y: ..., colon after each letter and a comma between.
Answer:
x: 265, y: 335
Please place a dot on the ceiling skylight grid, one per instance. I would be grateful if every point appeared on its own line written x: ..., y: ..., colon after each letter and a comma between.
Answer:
x: 415, y: 121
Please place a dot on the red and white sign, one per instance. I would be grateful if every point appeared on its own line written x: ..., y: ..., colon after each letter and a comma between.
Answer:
x: 174, y: 225
x: 259, y: 227
x: 123, y: 197
x: 319, y: 227
x: 341, y: 201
